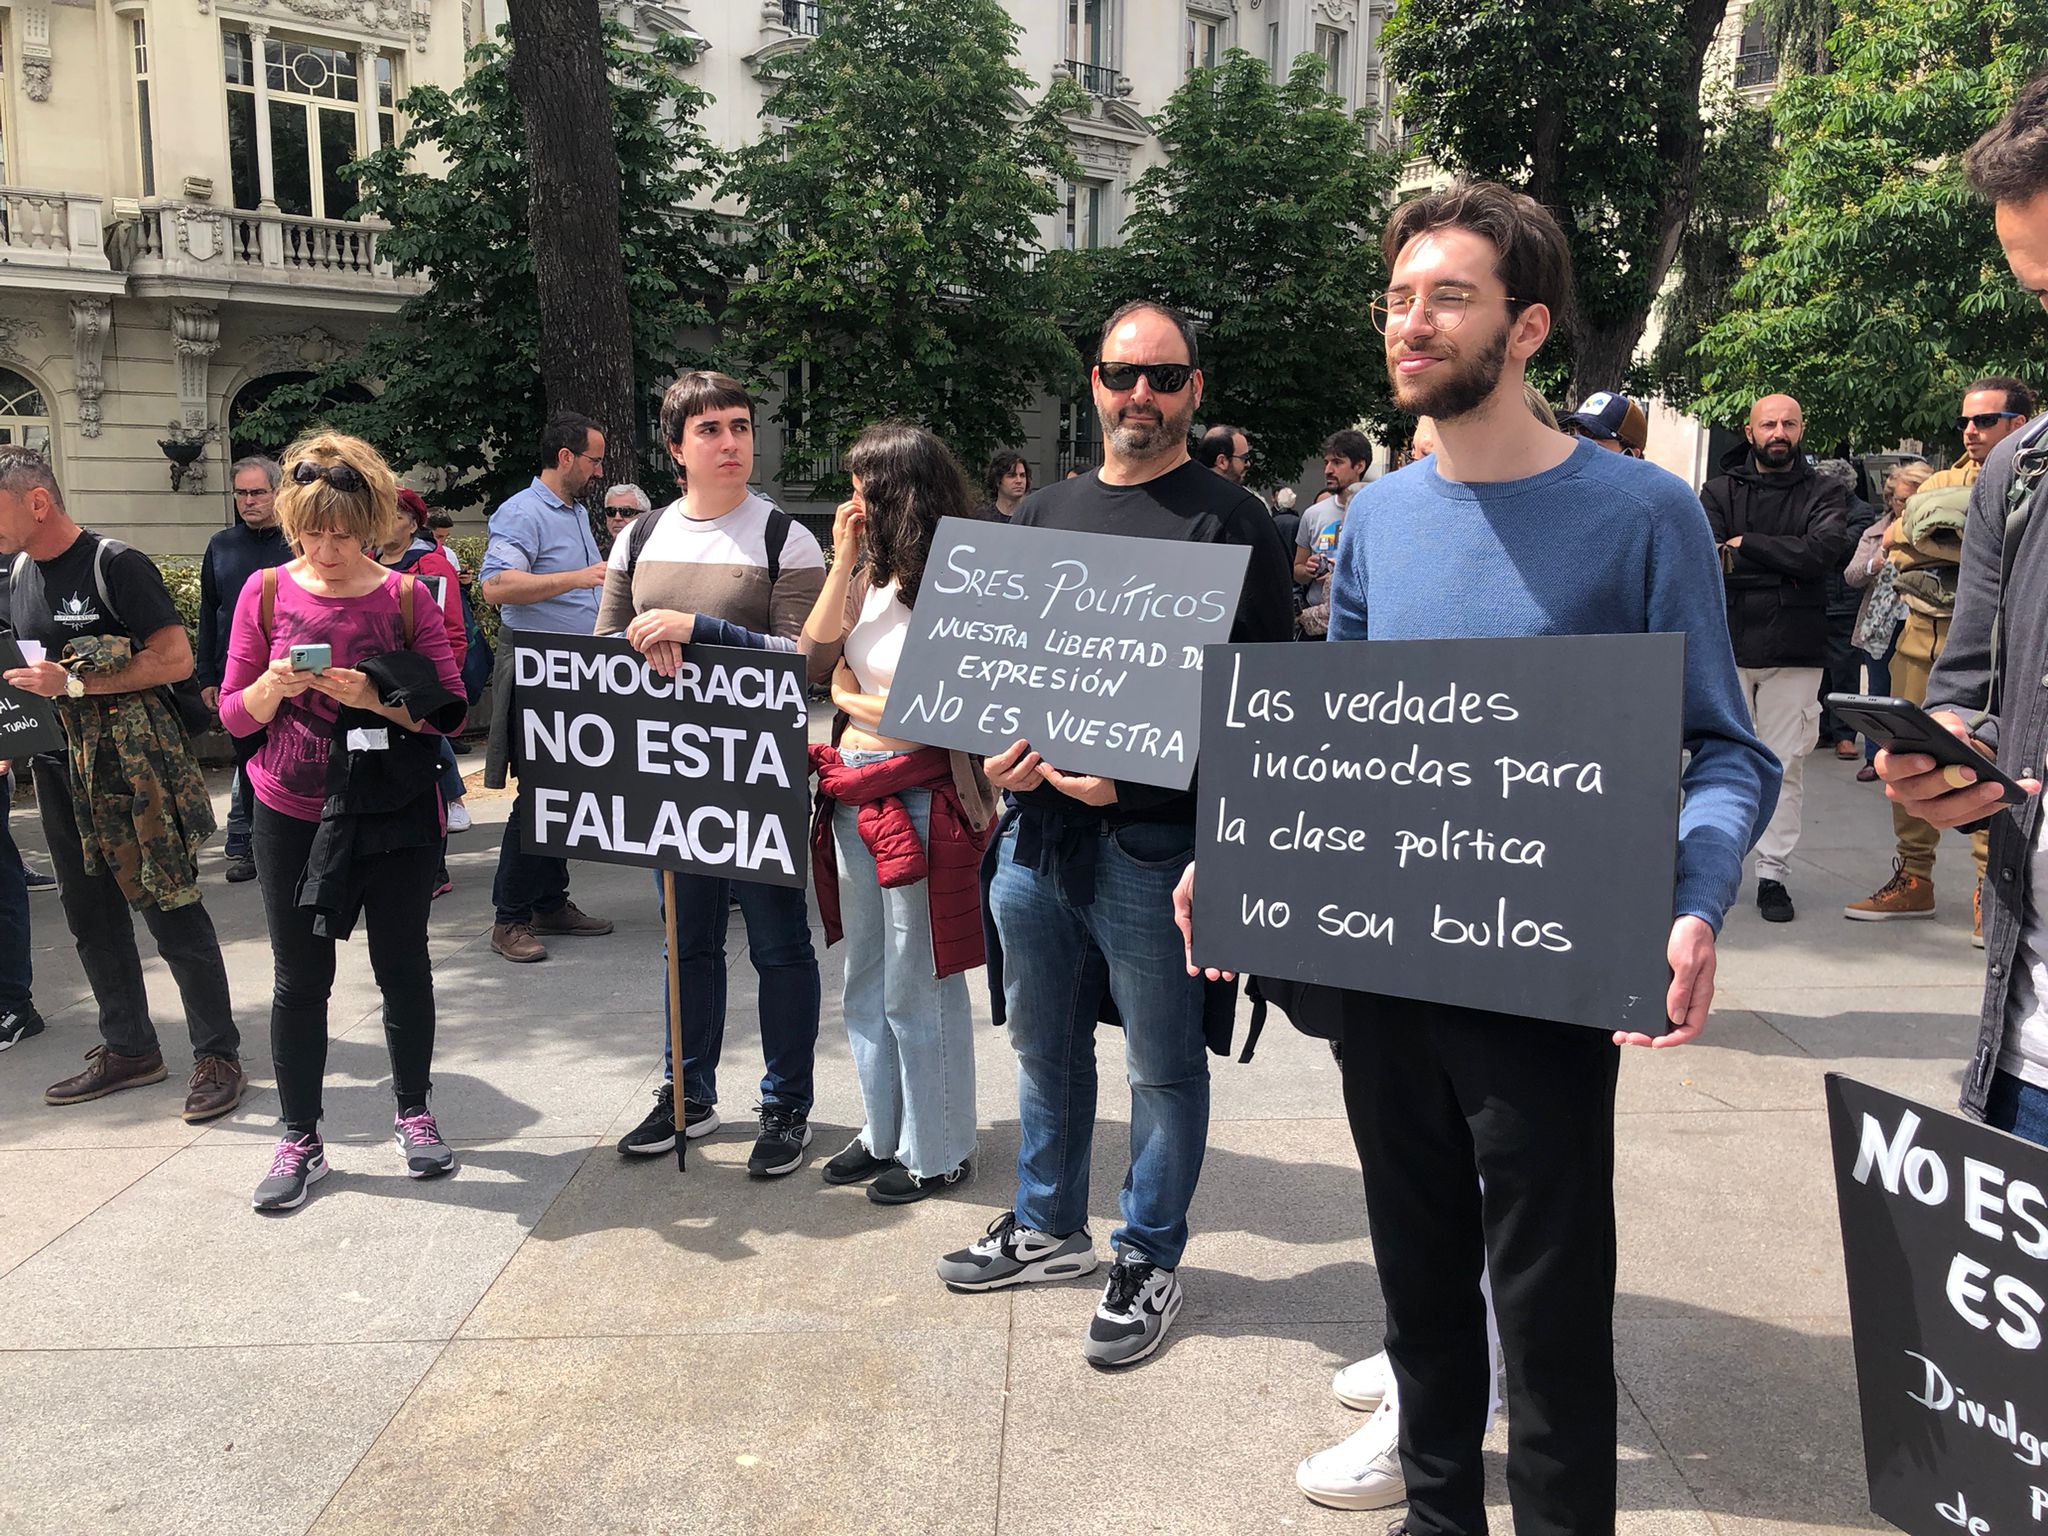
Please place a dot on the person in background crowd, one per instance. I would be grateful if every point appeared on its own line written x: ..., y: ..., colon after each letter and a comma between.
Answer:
x: 623, y: 503
x: 348, y: 823
x: 1781, y: 529
x: 1285, y: 518
x: 18, y: 1017
x: 1422, y: 443
x: 723, y: 565
x: 1925, y: 547
x: 1611, y: 421
x: 2006, y: 1082
x: 1875, y: 632
x: 1841, y: 669
x: 1227, y: 451
x: 542, y: 570
x: 1490, y: 540
x: 1347, y: 455
x: 1081, y: 895
x: 1007, y: 483
x: 412, y: 548
x: 232, y: 556
x: 909, y: 941
x: 125, y: 810
x: 440, y: 525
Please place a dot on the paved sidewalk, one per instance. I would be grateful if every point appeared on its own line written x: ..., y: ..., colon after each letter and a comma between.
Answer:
x: 555, y: 1341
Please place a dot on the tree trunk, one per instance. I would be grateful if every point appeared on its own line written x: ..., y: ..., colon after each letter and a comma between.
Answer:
x: 572, y: 170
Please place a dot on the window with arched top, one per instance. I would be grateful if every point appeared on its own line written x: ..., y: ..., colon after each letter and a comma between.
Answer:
x: 24, y: 417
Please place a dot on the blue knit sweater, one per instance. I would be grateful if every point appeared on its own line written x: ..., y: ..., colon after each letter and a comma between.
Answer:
x: 1601, y: 545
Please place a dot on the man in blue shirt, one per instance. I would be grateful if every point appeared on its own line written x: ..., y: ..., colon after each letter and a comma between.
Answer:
x: 543, y: 570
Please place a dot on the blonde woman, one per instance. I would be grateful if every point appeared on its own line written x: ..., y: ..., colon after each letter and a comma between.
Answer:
x: 346, y: 738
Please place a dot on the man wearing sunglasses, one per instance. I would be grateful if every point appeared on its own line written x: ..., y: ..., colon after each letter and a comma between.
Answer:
x: 1227, y: 451
x: 1081, y: 899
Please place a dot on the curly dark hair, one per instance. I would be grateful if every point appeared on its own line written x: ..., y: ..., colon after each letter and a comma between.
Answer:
x: 999, y: 468
x: 908, y: 481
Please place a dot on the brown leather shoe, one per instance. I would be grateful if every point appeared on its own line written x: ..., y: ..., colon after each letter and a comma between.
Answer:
x: 515, y: 941
x: 106, y: 1073
x: 571, y: 922
x: 215, y: 1088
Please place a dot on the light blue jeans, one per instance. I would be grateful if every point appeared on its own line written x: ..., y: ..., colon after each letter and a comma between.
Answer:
x: 912, y: 1034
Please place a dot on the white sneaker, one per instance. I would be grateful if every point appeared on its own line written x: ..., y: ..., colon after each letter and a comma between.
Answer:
x: 458, y: 816
x: 1365, y: 1384
x: 1364, y: 1472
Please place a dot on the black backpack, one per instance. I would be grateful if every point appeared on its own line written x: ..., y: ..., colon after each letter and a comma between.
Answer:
x: 773, y: 537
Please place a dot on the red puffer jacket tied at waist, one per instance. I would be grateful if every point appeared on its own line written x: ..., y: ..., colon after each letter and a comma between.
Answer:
x: 951, y: 865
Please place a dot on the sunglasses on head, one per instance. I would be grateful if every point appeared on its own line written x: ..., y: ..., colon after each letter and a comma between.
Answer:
x: 1165, y: 378
x: 1984, y: 421
x: 343, y: 477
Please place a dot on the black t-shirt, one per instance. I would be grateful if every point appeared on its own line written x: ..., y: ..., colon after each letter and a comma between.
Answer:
x: 1169, y: 507
x: 57, y: 600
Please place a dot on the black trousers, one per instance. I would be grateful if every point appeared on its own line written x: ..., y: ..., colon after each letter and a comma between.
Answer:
x: 1443, y: 1101
x: 104, y: 932
x: 400, y: 889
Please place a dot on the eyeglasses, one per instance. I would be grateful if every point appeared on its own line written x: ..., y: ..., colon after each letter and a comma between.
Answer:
x: 345, y: 478
x: 1443, y: 310
x: 242, y: 495
x: 595, y: 460
x: 1242, y: 458
x: 1984, y: 421
x: 1165, y: 378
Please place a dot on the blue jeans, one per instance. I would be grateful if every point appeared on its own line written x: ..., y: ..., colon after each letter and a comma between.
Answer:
x: 17, y: 978
x: 451, y: 773
x: 1057, y: 959
x: 779, y: 943
x: 241, y: 811
x: 912, y: 1034
x: 2017, y: 1106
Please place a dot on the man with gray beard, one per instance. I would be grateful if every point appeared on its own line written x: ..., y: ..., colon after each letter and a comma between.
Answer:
x: 1082, y: 893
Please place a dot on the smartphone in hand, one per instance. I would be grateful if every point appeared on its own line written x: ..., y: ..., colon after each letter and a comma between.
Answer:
x: 1901, y: 726
x: 311, y: 658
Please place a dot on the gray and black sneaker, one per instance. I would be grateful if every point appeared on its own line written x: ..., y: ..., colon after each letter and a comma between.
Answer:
x: 426, y: 1155
x: 298, y: 1163
x: 18, y: 1023
x: 657, y: 1133
x: 779, y: 1149
x: 1013, y: 1255
x: 1139, y: 1302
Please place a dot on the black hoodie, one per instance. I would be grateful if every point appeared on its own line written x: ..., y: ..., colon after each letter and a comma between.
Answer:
x: 1793, y: 525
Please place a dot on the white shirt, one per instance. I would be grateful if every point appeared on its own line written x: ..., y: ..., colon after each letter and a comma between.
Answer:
x: 875, y: 644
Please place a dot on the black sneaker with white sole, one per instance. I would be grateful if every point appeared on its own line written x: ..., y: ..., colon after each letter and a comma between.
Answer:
x: 657, y: 1133
x: 1137, y: 1305
x: 779, y: 1149
x: 18, y: 1023
x: 1010, y: 1254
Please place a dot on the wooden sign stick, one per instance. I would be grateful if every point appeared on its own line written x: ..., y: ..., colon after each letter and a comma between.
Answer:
x: 675, y: 1012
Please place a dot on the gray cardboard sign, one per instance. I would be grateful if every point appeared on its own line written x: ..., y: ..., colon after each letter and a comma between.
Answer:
x: 1087, y: 645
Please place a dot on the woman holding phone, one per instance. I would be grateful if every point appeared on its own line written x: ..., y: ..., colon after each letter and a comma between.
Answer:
x: 372, y: 667
x: 899, y: 833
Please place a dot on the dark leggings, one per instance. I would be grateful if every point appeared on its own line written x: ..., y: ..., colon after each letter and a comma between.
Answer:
x: 395, y: 900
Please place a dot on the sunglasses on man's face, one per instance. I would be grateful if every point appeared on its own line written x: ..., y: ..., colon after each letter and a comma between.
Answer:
x: 1165, y: 378
x: 343, y: 477
x: 1984, y: 421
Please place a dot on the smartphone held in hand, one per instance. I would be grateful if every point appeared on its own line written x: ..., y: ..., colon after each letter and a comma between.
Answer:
x: 1901, y: 726
x: 311, y: 658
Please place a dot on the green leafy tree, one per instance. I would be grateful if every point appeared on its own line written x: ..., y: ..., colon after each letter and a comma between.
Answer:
x: 1797, y: 31
x: 1264, y: 221
x: 1877, y: 289
x: 1592, y: 107
x: 457, y: 372
x: 893, y: 205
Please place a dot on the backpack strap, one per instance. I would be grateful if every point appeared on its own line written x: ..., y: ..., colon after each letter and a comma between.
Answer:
x: 99, y: 576
x: 407, y: 585
x: 266, y: 603
x: 773, y: 538
x: 637, y: 537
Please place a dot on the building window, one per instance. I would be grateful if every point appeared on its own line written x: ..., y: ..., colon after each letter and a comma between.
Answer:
x: 314, y: 107
x: 1087, y: 227
x: 801, y: 16
x: 1273, y: 49
x: 138, y: 38
x: 5, y: 93
x: 1205, y: 38
x: 24, y: 418
x: 1330, y: 49
x: 1080, y: 439
x: 1755, y: 64
x: 806, y: 457
x: 387, y: 101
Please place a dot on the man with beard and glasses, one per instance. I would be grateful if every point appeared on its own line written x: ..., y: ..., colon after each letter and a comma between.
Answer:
x: 1083, y: 880
x: 1487, y: 1139
x: 1347, y: 455
x: 1781, y: 529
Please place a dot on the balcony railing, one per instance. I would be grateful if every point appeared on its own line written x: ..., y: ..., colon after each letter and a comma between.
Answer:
x: 801, y: 16
x: 1758, y: 67
x: 805, y: 462
x: 1096, y: 79
x: 50, y: 229
x: 175, y: 240
x: 1078, y: 456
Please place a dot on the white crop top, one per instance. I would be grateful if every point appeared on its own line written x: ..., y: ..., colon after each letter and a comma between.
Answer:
x: 875, y: 643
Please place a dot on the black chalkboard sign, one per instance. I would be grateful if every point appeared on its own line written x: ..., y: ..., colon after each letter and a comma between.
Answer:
x: 1945, y: 1240
x: 28, y: 724
x: 1487, y: 823
x: 1087, y: 645
x: 704, y: 773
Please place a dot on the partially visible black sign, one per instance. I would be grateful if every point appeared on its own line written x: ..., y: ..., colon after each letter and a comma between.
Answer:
x: 1488, y: 823
x: 1086, y: 645
x: 1945, y: 1238
x: 704, y: 773
x: 28, y: 724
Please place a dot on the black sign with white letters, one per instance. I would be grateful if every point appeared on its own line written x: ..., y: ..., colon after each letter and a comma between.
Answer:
x: 28, y: 724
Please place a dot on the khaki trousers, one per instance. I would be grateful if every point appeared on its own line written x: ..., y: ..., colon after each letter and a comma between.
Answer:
x: 1920, y: 642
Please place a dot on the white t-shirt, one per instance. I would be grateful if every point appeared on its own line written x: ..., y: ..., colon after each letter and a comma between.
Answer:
x: 2025, y: 1055
x: 875, y: 643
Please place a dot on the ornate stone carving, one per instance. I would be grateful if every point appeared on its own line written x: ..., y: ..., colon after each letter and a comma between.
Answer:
x: 393, y: 18
x: 1105, y: 157
x: 1339, y: 10
x: 195, y: 336
x: 35, y: 78
x: 13, y: 332
x: 191, y: 478
x: 199, y: 232
x: 90, y: 318
x: 36, y: 54
x: 294, y: 351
